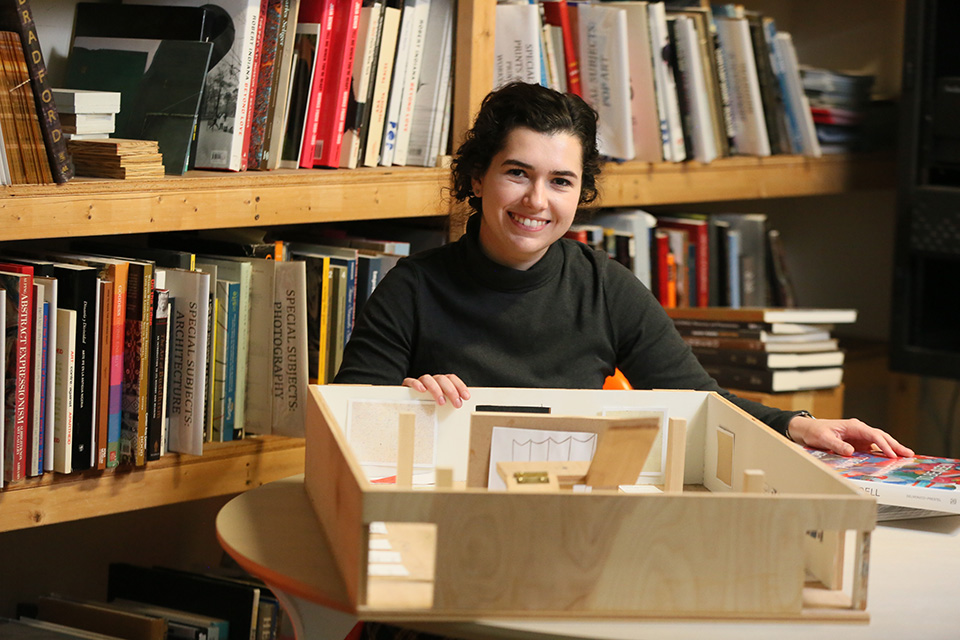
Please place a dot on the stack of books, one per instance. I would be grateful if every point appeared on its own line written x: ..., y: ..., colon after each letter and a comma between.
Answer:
x: 116, y: 158
x: 766, y: 349
x: 86, y: 114
x: 838, y: 103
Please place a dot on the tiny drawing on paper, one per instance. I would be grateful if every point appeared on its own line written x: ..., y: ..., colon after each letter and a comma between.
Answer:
x: 372, y: 427
x: 510, y: 444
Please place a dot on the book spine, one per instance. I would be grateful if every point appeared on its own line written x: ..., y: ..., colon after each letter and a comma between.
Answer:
x: 230, y: 378
x: 272, y: 16
x: 290, y: 349
x: 556, y: 13
x: 106, y: 444
x: 392, y: 117
x: 253, y: 89
x: 63, y: 399
x: 34, y: 425
x: 21, y: 400
x: 145, y: 299
x: 411, y: 83
x: 280, y: 91
x: 42, y: 452
x: 56, y: 147
x: 369, y: 76
x: 320, y: 83
x: 333, y: 115
x: 381, y: 90
x: 158, y: 350
x: 187, y: 375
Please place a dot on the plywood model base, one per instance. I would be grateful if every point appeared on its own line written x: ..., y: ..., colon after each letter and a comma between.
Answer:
x: 764, y: 540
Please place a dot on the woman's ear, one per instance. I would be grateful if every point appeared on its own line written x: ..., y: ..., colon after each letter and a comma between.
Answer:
x: 477, y: 185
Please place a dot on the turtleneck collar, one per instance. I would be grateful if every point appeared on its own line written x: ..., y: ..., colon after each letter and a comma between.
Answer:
x: 496, y: 276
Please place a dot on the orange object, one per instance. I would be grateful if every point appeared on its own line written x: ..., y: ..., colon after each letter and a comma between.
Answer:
x: 617, y: 381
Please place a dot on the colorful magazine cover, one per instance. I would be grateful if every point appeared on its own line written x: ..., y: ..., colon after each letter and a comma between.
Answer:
x: 920, y: 482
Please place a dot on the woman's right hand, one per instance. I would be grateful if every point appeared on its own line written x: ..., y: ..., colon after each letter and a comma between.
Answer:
x: 442, y: 386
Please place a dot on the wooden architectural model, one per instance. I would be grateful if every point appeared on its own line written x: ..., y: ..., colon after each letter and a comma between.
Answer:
x: 729, y: 520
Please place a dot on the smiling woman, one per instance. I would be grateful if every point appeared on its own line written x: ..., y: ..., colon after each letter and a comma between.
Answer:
x: 515, y: 304
x: 530, y: 194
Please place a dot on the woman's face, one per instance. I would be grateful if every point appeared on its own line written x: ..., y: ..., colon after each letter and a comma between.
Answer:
x: 530, y: 194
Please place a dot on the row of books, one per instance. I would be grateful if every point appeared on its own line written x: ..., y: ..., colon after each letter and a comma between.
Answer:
x: 768, y: 350
x: 157, y: 603
x: 251, y: 84
x: 696, y: 260
x: 672, y: 81
x: 116, y: 354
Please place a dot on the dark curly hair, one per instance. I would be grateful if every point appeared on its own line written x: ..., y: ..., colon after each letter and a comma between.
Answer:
x: 534, y: 107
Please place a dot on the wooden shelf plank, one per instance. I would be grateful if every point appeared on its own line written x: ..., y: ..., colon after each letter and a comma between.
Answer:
x: 223, y: 469
x: 207, y: 200
x: 742, y: 178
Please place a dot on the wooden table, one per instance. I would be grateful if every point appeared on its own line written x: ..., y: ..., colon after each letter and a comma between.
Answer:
x: 273, y: 533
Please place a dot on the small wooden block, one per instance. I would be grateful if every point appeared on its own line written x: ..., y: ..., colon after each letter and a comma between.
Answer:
x: 753, y: 480
x: 405, y: 437
x: 443, y: 478
x: 676, y: 455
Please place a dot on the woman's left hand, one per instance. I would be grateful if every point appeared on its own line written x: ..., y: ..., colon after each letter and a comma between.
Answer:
x: 844, y: 436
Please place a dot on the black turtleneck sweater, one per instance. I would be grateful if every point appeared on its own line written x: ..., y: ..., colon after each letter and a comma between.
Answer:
x: 565, y: 323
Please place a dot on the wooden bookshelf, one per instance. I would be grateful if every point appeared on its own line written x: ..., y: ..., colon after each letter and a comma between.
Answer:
x: 208, y: 200
x: 224, y: 468
x: 742, y: 178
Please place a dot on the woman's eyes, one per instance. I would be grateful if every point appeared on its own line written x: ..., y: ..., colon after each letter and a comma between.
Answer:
x: 563, y: 182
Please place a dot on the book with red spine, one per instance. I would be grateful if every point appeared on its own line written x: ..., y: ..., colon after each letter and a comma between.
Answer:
x: 336, y: 91
x: 556, y: 13
x: 699, y: 234
x: 319, y: 12
x: 19, y: 288
x: 664, y: 268
x: 271, y: 14
x: 253, y: 88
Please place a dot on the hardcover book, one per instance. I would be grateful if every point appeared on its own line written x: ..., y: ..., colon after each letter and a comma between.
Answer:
x: 18, y: 17
x: 382, y: 82
x: 289, y: 362
x: 158, y: 373
x: 336, y: 87
x: 188, y: 357
x: 920, y: 482
x: 24, y: 132
x: 19, y: 328
x: 605, y: 74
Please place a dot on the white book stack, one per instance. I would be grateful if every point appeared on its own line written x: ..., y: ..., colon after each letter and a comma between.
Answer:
x: 87, y: 114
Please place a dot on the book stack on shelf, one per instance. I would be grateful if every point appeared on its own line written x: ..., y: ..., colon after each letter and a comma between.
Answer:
x: 87, y: 114
x: 839, y: 103
x: 767, y: 350
x: 672, y: 81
